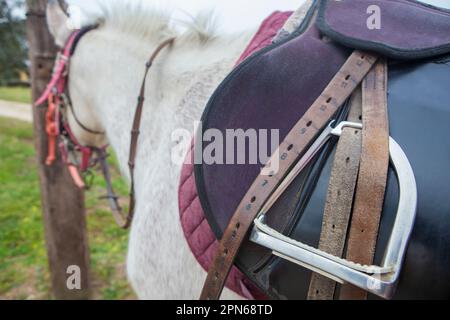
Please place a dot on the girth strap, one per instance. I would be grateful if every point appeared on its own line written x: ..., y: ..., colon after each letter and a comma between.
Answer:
x: 372, y: 179
x: 290, y: 150
x: 339, y: 201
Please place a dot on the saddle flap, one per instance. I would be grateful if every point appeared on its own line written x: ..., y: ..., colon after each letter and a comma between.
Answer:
x: 420, y: 31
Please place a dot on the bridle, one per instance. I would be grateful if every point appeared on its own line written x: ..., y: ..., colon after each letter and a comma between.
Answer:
x: 59, y: 132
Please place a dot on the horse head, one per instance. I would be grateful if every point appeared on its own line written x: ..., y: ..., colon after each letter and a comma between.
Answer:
x: 82, y: 116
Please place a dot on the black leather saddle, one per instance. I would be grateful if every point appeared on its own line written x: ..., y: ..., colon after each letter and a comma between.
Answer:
x: 273, y: 89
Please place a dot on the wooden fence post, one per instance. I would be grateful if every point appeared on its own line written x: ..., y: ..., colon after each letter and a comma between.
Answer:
x: 62, y: 202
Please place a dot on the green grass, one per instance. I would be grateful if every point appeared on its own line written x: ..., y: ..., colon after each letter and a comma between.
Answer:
x: 16, y: 94
x: 23, y: 262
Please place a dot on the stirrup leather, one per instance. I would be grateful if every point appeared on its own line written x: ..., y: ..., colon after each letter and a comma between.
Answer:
x: 378, y: 280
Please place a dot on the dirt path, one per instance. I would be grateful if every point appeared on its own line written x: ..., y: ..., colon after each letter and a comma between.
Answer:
x: 15, y: 110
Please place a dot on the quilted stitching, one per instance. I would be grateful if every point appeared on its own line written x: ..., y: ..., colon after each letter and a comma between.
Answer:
x: 197, y: 231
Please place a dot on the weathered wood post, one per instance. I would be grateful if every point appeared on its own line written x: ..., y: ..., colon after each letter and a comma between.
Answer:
x: 62, y: 202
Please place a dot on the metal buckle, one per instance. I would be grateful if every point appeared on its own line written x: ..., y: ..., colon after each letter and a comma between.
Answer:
x: 378, y: 280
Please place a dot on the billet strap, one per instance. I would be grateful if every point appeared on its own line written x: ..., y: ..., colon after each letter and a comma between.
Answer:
x: 372, y: 179
x: 338, y: 206
x: 290, y: 150
x: 136, y: 131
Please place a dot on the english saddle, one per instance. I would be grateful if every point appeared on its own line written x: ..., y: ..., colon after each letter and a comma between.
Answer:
x: 307, y: 87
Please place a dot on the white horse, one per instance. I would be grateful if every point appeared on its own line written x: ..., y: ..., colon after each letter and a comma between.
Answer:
x: 105, y: 75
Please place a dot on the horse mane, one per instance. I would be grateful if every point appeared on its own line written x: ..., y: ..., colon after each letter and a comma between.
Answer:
x: 138, y: 18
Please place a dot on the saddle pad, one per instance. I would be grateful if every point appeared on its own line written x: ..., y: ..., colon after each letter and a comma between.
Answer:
x: 196, y: 229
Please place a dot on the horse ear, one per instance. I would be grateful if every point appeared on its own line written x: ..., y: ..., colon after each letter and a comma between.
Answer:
x: 58, y: 23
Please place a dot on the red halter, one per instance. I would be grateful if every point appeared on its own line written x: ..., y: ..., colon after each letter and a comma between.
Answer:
x: 56, y: 125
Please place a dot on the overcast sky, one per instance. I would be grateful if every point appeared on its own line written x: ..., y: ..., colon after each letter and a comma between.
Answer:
x: 232, y: 15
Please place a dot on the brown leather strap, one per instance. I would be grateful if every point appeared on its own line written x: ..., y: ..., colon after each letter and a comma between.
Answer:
x: 294, y: 145
x: 372, y: 177
x: 125, y: 222
x: 339, y: 201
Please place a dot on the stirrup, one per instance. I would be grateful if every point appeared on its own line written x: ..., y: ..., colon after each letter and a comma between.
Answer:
x: 378, y: 280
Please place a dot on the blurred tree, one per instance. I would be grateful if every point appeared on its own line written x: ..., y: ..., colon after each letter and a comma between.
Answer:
x: 13, y: 45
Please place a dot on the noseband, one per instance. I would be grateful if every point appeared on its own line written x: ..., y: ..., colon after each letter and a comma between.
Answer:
x: 59, y: 132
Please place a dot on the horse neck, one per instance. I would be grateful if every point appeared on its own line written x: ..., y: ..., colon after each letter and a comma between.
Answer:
x: 178, y: 86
